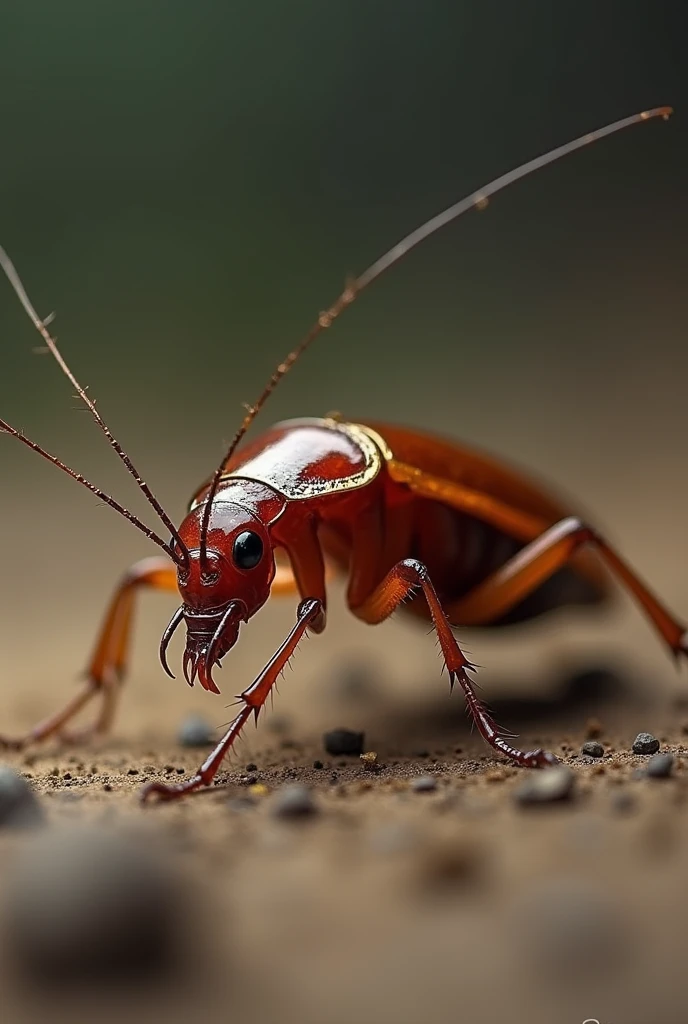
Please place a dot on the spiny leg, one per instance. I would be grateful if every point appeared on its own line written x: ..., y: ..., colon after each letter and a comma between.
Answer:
x: 541, y: 559
x: 310, y: 615
x: 398, y: 585
x: 550, y: 546
x: 108, y: 663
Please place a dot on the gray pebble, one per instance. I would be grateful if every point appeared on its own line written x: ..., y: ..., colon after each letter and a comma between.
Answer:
x: 660, y: 765
x: 18, y: 803
x: 196, y: 732
x: 344, y: 741
x: 546, y: 786
x: 645, y: 743
x: 293, y: 802
x: 84, y: 905
x: 424, y: 784
x: 592, y: 749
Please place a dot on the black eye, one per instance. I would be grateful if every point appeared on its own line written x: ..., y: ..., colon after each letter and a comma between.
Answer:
x: 248, y: 550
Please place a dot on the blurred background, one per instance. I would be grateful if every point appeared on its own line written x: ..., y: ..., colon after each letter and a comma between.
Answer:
x: 186, y: 186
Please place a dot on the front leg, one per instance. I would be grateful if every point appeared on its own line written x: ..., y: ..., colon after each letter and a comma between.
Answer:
x: 311, y: 614
x: 109, y: 661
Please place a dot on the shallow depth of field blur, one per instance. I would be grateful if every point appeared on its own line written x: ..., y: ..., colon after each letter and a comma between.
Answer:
x: 187, y: 186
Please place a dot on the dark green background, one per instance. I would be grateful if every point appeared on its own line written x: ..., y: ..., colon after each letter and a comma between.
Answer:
x: 187, y: 184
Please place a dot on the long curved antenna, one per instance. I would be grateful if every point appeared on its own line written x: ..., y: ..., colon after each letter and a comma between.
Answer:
x: 7, y: 429
x: 40, y: 325
x: 356, y: 285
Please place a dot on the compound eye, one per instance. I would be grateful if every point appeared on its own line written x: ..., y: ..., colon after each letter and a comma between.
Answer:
x: 248, y: 550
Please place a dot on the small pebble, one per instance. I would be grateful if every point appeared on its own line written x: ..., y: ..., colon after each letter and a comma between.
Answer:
x: 645, y: 743
x: 660, y: 766
x: 424, y: 784
x: 86, y: 906
x: 592, y: 749
x: 251, y: 767
x: 18, y: 803
x: 293, y: 802
x: 343, y: 741
x: 196, y: 732
x: 369, y: 760
x: 546, y: 786
x: 318, y: 765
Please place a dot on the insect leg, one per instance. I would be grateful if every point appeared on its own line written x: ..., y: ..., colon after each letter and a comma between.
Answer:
x: 398, y: 585
x: 544, y: 556
x: 549, y: 548
x: 310, y: 614
x: 108, y: 664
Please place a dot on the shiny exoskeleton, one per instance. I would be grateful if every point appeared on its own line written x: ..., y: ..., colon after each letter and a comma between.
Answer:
x: 403, y: 514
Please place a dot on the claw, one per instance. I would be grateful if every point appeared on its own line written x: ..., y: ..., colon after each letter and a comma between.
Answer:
x: 205, y: 674
x: 167, y: 636
x: 189, y: 667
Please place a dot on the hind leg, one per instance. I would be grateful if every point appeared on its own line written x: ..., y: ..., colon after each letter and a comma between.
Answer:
x: 541, y: 559
x: 110, y: 659
x: 548, y: 548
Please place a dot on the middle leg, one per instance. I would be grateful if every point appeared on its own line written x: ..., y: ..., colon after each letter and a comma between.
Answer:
x: 399, y: 584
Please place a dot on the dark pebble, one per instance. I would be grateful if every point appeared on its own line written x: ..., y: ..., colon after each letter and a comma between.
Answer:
x: 85, y: 906
x: 196, y: 732
x: 318, y: 765
x: 344, y: 741
x: 251, y: 767
x: 592, y: 749
x: 546, y: 786
x: 660, y: 766
x: 293, y: 802
x: 424, y: 784
x: 645, y: 743
x: 18, y: 803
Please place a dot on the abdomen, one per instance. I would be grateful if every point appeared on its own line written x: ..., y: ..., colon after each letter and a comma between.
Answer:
x: 461, y: 551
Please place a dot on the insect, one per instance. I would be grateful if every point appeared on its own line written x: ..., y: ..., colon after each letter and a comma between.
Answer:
x: 404, y: 514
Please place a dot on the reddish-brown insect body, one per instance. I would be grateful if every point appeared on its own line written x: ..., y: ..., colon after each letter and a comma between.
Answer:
x: 402, y: 513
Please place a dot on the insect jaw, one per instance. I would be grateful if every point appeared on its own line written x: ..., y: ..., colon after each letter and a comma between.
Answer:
x: 209, y: 636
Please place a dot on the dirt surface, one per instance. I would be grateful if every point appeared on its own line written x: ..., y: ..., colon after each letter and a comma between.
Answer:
x: 394, y: 900
x: 450, y: 901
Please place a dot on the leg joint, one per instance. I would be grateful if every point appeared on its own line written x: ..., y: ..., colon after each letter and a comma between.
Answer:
x: 414, y: 571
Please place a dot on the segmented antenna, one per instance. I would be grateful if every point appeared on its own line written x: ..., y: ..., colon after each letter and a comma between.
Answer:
x: 479, y: 200
x: 7, y: 429
x: 41, y: 327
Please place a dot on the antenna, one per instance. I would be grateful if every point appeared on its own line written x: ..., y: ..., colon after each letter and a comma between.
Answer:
x: 40, y: 325
x: 477, y: 200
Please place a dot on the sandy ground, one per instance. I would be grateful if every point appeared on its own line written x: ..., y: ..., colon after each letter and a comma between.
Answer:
x: 389, y: 903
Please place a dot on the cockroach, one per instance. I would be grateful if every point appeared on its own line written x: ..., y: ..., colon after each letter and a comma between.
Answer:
x: 404, y: 513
